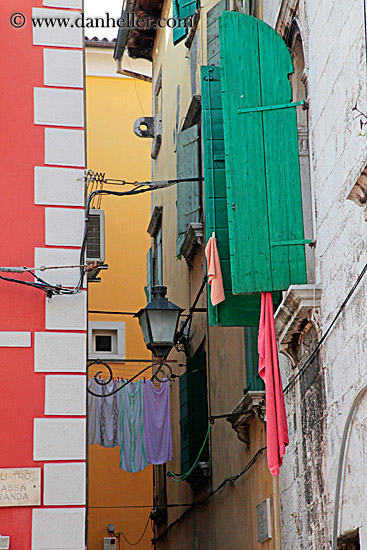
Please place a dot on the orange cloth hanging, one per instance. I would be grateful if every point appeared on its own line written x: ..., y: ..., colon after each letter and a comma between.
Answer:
x: 214, y: 272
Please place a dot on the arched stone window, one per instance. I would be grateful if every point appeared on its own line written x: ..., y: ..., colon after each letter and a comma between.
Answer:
x: 300, y: 92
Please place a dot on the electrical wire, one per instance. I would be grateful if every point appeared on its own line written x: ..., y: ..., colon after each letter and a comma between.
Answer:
x: 231, y: 479
x: 139, y: 187
x: 326, y: 334
x: 182, y: 477
x: 118, y: 535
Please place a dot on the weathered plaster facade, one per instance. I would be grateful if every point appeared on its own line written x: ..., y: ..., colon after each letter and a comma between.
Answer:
x: 319, y: 401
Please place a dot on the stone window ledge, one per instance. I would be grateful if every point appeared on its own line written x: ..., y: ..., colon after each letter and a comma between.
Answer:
x: 193, y: 240
x: 299, y: 309
x: 252, y: 405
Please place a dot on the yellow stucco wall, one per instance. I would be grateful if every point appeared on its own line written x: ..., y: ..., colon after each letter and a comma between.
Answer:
x: 113, y: 104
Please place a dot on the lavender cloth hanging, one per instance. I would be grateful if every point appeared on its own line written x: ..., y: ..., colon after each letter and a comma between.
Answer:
x: 157, y: 423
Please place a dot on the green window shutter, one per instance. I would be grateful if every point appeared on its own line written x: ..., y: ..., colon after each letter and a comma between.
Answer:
x: 148, y: 288
x: 235, y: 310
x: 182, y: 9
x: 184, y: 424
x: 265, y: 217
x: 212, y: 32
x: 197, y: 405
x: 254, y: 382
x: 193, y: 411
x: 188, y: 193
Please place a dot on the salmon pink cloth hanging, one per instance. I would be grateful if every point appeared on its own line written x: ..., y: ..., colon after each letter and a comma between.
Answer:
x: 214, y: 272
x: 276, y: 419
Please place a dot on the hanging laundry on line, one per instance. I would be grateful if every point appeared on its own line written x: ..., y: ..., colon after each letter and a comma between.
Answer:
x: 104, y: 426
x: 157, y: 423
x: 132, y: 453
x: 137, y: 418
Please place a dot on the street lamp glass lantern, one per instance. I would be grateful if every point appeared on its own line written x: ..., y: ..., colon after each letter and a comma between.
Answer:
x: 159, y: 322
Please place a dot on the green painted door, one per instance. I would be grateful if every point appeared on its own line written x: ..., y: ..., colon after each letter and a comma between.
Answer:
x: 265, y: 219
x: 235, y: 310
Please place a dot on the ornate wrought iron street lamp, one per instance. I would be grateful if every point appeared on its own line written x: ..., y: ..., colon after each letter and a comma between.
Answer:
x: 159, y: 323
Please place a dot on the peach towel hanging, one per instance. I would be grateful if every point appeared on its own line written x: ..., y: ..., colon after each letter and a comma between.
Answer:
x: 214, y: 272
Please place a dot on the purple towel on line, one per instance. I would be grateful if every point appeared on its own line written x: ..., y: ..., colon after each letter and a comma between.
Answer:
x: 157, y: 423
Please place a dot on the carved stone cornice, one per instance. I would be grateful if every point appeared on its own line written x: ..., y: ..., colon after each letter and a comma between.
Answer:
x: 288, y: 9
x: 299, y: 308
x: 193, y: 240
x: 358, y: 193
x: 252, y: 405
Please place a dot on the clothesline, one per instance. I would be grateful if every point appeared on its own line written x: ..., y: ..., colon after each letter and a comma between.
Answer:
x: 136, y: 417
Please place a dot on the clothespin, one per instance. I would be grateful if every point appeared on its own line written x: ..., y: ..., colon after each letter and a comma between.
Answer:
x: 213, y: 234
x: 144, y: 379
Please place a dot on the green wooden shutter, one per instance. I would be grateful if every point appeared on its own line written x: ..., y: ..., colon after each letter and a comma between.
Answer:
x: 254, y: 382
x: 193, y: 411
x: 182, y: 9
x: 212, y: 32
x: 184, y: 424
x: 197, y: 405
x: 188, y: 193
x: 263, y: 178
x: 148, y: 288
x: 235, y: 310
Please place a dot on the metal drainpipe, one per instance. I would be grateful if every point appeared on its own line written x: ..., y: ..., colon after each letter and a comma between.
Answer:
x: 347, y: 427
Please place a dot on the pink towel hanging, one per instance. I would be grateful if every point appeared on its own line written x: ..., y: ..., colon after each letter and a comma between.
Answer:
x: 276, y: 418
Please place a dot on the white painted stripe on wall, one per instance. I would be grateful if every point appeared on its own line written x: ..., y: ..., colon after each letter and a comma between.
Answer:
x: 67, y: 37
x: 63, y: 68
x: 58, y: 529
x: 59, y: 439
x: 15, y: 339
x: 55, y: 107
x: 77, y: 4
x: 58, y: 186
x: 64, y: 147
x: 59, y: 352
x: 65, y: 395
x: 64, y: 226
x: 64, y: 484
x: 67, y: 312
x: 53, y: 257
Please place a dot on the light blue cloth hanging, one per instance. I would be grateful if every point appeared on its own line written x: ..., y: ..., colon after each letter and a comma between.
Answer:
x: 132, y: 453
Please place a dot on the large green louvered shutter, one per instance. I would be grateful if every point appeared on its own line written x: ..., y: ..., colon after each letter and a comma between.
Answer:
x: 266, y: 234
x: 235, y: 310
x: 188, y: 193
